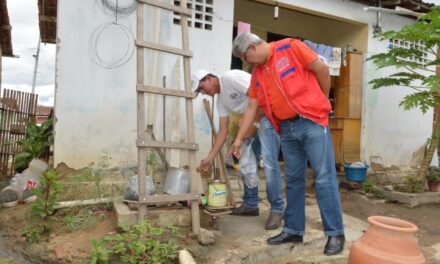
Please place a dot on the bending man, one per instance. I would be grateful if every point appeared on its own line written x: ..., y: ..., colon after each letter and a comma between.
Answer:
x: 232, y: 88
x: 291, y: 85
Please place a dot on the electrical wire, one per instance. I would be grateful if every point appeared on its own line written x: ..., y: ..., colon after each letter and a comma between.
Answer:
x: 114, y: 7
x: 116, y: 62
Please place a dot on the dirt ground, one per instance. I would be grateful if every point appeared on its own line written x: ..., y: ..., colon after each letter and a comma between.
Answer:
x: 76, y: 245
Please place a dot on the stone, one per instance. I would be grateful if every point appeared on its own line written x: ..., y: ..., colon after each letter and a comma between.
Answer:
x: 185, y: 257
x: 59, y: 252
x: 206, y: 237
x: 413, y: 199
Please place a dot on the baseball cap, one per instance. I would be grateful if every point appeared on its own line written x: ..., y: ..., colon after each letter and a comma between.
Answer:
x: 196, y: 77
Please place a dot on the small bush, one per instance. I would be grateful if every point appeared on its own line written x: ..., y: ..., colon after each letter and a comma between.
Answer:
x: 140, y: 243
x: 410, y: 185
x: 370, y: 186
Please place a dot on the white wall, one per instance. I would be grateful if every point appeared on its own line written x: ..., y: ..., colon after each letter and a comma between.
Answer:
x: 387, y: 130
x: 96, y: 107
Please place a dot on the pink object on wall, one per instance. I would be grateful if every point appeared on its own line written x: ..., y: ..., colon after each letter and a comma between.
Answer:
x: 243, y: 27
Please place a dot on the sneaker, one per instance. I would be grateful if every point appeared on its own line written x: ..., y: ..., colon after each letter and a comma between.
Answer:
x: 8, y: 198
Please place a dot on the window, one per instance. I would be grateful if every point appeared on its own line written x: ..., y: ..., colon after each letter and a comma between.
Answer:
x: 202, y: 13
x: 419, y: 45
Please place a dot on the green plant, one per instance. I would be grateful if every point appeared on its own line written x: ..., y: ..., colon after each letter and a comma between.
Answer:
x: 96, y: 171
x: 80, y: 219
x: 433, y: 176
x: 423, y: 80
x: 32, y: 233
x: 37, y: 139
x: 44, y: 207
x: 410, y: 185
x: 142, y: 243
x: 370, y: 186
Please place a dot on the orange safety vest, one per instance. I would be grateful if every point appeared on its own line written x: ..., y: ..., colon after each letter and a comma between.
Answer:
x: 298, y: 85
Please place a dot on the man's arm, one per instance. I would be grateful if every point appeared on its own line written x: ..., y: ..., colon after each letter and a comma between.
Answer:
x: 219, y: 141
x: 322, y: 75
x: 246, y: 123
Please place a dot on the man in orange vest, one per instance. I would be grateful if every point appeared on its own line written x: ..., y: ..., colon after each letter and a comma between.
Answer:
x: 291, y: 86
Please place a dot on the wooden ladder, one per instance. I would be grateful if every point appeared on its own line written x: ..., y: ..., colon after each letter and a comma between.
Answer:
x: 143, y: 140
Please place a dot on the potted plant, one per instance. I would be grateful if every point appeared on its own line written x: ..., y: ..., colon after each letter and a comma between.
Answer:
x: 433, y: 179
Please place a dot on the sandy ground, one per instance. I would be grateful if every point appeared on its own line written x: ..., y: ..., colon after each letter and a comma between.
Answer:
x: 76, y: 245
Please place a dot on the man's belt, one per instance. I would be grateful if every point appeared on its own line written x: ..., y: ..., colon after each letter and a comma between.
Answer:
x: 293, y: 119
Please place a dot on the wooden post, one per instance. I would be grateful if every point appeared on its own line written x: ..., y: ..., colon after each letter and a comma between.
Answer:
x: 190, y: 119
x: 141, y: 135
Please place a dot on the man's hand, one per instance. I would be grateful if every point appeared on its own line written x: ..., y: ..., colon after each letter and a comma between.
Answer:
x: 204, y: 165
x: 235, y: 148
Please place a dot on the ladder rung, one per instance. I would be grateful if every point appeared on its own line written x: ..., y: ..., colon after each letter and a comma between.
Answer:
x: 168, y: 49
x: 167, y: 144
x: 163, y: 198
x: 165, y: 91
x: 178, y: 9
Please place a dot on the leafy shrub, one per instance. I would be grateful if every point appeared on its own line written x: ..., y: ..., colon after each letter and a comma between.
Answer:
x: 370, y: 186
x: 410, y: 185
x: 37, y: 139
x: 140, y: 243
x: 433, y: 176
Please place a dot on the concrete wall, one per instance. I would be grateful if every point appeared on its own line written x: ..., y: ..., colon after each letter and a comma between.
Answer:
x: 387, y: 130
x: 96, y: 106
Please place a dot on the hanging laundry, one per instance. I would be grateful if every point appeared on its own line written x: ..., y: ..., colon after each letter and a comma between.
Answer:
x: 243, y: 27
x: 330, y: 55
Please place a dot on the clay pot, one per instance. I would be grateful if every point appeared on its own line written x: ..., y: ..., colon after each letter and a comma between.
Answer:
x: 387, y: 241
x: 433, y: 186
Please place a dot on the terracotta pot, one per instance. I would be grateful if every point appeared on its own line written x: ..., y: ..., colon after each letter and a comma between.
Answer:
x: 387, y: 241
x: 433, y: 186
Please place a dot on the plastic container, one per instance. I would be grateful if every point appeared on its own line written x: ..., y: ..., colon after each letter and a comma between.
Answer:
x: 356, y: 174
x: 176, y: 181
x: 217, y: 194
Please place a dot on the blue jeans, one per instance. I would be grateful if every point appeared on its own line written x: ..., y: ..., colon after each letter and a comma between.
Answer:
x: 270, y: 149
x: 304, y: 140
x: 269, y: 140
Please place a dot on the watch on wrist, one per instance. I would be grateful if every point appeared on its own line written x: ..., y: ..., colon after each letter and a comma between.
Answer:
x: 257, y: 124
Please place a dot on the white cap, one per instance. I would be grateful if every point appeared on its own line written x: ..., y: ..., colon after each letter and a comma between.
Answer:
x: 196, y: 77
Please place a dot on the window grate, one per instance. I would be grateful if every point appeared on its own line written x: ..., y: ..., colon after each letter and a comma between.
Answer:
x: 203, y: 12
x: 419, y: 45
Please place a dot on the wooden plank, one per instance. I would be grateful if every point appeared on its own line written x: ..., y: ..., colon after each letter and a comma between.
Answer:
x: 142, y: 156
x: 164, y: 198
x: 196, y: 181
x: 175, y: 122
x: 167, y: 144
x: 144, y: 44
x: 181, y: 10
x: 223, y: 171
x: 165, y: 91
x: 44, y: 18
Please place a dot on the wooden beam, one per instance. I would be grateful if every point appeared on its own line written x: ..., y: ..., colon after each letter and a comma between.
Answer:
x: 166, y: 144
x: 6, y: 27
x: 163, y: 48
x: 152, y: 199
x: 391, y: 2
x: 44, y: 18
x: 165, y: 91
x: 177, y: 9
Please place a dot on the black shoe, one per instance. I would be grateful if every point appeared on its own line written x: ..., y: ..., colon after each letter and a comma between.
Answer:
x: 335, y: 245
x: 284, y: 237
x: 274, y: 221
x: 244, y: 211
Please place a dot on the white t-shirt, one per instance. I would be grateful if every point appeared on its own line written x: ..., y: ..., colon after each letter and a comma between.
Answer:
x: 233, y: 88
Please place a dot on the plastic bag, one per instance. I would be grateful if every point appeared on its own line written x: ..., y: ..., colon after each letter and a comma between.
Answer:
x: 131, y: 189
x: 29, y: 179
x: 248, y: 164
